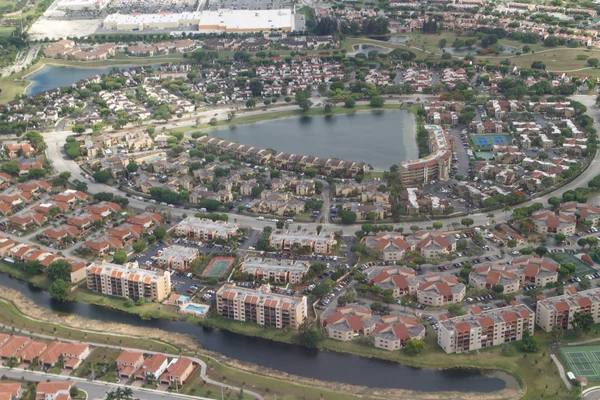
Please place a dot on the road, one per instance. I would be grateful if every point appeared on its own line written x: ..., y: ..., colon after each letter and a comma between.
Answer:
x: 55, y: 153
x: 103, y: 387
x: 22, y: 62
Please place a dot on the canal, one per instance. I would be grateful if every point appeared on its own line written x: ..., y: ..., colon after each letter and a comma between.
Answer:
x: 379, y: 138
x: 292, y: 359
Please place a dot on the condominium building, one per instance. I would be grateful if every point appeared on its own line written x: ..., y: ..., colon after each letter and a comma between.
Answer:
x: 128, y: 281
x: 287, y: 240
x: 436, y: 166
x: 205, y: 229
x: 275, y: 269
x: 559, y: 310
x: 439, y: 290
x: 536, y: 271
x: 260, y: 306
x: 398, y: 278
x: 391, y: 245
x: 488, y: 276
x: 389, y: 331
x: 491, y: 328
x: 178, y: 257
x: 547, y: 222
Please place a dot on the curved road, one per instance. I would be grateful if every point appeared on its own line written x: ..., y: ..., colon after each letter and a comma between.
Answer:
x: 147, y: 394
x: 55, y: 153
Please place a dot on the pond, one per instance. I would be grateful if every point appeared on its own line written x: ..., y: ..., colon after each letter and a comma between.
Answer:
x: 366, y: 48
x: 379, y: 138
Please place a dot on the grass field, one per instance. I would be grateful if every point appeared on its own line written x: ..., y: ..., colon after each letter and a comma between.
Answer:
x: 218, y: 266
x: 581, y: 267
x: 583, y: 361
x: 6, y: 31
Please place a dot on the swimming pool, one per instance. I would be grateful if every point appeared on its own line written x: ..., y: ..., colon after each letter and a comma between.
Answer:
x: 196, y: 308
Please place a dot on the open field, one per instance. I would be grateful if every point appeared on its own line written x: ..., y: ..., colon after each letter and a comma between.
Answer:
x: 6, y: 30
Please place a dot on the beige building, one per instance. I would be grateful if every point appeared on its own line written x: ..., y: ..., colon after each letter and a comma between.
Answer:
x: 439, y: 290
x: 205, y: 229
x: 398, y: 279
x: 487, y: 329
x: 536, y: 271
x: 260, y: 306
x: 285, y: 240
x: 547, y: 222
x: 436, y: 166
x: 275, y: 269
x: 128, y: 281
x: 392, y: 245
x: 559, y: 310
x: 177, y: 257
x: 390, y: 331
x: 488, y: 276
x: 583, y: 211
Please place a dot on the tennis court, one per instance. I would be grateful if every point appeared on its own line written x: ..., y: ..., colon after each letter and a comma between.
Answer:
x: 581, y: 268
x: 583, y: 361
x: 486, y: 141
x: 218, y: 266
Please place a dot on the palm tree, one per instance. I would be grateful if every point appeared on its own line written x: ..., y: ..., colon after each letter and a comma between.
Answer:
x: 127, y: 393
x: 506, y: 210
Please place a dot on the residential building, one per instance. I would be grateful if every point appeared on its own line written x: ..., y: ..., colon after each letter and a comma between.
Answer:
x: 490, y: 328
x: 177, y: 257
x: 436, y: 166
x: 536, y: 271
x: 128, y: 281
x: 583, y: 211
x: 439, y: 290
x: 392, y: 245
x: 547, y: 222
x: 152, y: 367
x: 12, y: 346
x: 178, y: 371
x: 275, y: 269
x: 72, y: 354
x: 128, y: 362
x: 492, y: 275
x: 396, y: 278
x: 10, y: 391
x: 560, y: 310
x: 205, y: 229
x: 30, y: 351
x: 287, y: 240
x: 53, y: 390
x: 260, y: 306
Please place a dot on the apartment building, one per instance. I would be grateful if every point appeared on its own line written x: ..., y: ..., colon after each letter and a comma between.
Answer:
x: 390, y: 331
x: 547, y: 222
x: 559, y: 310
x: 392, y: 245
x: 436, y: 166
x: 286, y: 240
x: 396, y: 278
x: 533, y: 270
x: 488, y: 276
x: 128, y: 281
x: 491, y: 328
x: 275, y: 269
x: 260, y: 306
x: 205, y: 229
x: 439, y: 290
x: 583, y: 211
x: 178, y: 257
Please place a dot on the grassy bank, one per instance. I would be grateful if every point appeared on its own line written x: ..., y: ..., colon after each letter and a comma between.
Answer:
x: 37, y: 280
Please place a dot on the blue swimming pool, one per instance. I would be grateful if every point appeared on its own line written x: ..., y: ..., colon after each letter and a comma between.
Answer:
x: 196, y: 308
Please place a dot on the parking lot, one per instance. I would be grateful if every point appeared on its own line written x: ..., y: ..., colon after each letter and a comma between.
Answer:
x: 153, y: 6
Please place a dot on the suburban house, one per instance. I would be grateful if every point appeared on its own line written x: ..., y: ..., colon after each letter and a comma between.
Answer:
x: 11, y: 391
x: 152, y: 368
x: 178, y: 371
x: 128, y: 362
x: 53, y: 390
x: 72, y: 354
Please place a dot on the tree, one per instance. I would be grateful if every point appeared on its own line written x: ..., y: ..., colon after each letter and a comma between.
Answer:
x: 310, y: 339
x: 529, y: 344
x: 160, y: 233
x: 79, y: 185
x: 348, y: 217
x: 414, y: 346
x: 377, y: 101
x: 498, y: 288
x: 59, y: 290
x: 593, y: 62
x: 10, y: 167
x: 303, y: 99
x: 139, y: 246
x: 101, y: 176
x: 585, y: 283
x: 541, y: 251
x: 442, y: 43
x: 554, y: 202
x: 120, y: 257
x: 512, y: 243
x: 60, y: 269
x: 456, y: 310
x: 582, y: 323
x: 557, y: 333
x: 132, y: 166
x: 467, y: 222
x: 437, y: 225
x: 559, y: 238
x: 250, y: 103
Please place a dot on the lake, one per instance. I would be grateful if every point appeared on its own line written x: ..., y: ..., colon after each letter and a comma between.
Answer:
x: 292, y: 359
x: 54, y: 76
x: 379, y: 138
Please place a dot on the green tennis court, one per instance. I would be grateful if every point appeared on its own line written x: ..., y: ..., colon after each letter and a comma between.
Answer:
x: 583, y: 361
x: 218, y: 266
x: 581, y: 268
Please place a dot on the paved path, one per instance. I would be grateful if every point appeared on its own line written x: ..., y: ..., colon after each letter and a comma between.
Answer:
x: 100, y: 345
x: 561, y: 371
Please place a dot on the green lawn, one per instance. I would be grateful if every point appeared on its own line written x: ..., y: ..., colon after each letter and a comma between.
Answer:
x: 103, y: 363
x: 6, y: 30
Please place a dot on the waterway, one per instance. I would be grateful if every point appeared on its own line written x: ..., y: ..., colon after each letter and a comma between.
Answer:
x: 54, y: 76
x: 292, y: 359
x: 379, y: 138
